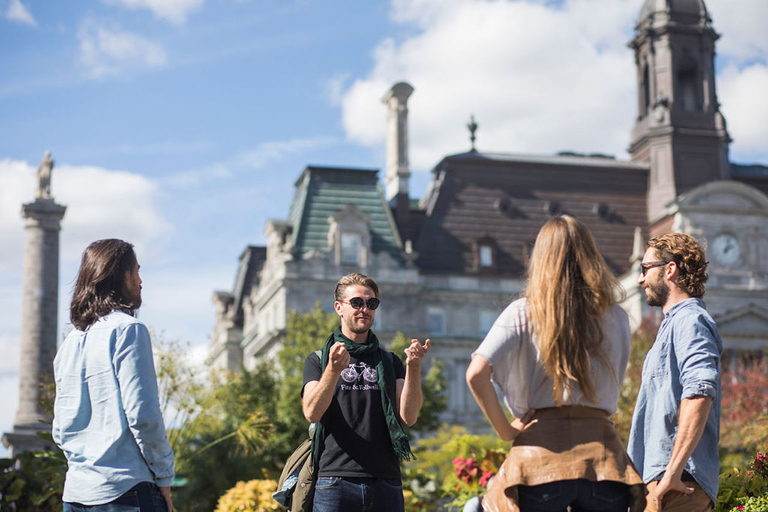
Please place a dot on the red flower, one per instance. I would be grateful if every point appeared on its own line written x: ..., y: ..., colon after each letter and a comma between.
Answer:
x: 487, y: 475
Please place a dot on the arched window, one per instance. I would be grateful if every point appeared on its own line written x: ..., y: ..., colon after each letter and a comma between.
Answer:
x: 689, y: 86
x: 646, y: 85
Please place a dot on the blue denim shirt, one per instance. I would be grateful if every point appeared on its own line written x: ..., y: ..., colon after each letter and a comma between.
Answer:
x: 684, y: 362
x: 107, y: 417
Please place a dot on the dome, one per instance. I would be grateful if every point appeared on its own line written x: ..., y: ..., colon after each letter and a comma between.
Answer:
x: 690, y: 12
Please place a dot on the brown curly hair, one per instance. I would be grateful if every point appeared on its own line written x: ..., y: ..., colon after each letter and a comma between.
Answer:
x: 689, y: 257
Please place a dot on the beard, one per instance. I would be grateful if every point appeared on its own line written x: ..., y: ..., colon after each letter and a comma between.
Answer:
x: 359, y: 326
x: 133, y: 299
x: 657, y: 293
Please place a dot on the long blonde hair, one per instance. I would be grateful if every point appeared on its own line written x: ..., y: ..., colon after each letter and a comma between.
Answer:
x: 569, y: 287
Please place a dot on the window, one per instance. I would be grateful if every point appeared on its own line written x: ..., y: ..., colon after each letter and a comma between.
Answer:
x: 646, y: 91
x: 436, y: 320
x: 487, y: 317
x: 351, y: 244
x: 688, y: 86
x: 486, y: 256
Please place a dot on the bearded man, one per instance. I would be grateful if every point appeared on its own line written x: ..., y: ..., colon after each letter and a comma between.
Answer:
x: 676, y: 423
x: 107, y: 417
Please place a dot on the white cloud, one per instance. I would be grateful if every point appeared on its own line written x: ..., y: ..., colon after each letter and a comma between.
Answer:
x: 745, y: 107
x: 111, y: 51
x: 175, y: 11
x: 251, y: 159
x: 100, y: 203
x: 277, y: 150
x: 19, y: 13
x: 742, y: 25
x: 538, y: 76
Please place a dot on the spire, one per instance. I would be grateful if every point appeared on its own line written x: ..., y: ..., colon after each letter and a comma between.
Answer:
x: 472, y: 126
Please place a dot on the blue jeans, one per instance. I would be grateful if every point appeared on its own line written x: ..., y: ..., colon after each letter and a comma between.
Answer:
x: 580, y: 495
x: 336, y: 494
x: 143, y: 497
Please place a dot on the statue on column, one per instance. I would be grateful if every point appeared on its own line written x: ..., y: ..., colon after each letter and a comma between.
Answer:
x: 44, y: 177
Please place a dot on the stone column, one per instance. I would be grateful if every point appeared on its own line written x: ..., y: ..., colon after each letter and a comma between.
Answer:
x: 39, y: 322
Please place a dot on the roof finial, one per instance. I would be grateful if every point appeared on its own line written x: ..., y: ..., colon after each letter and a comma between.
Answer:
x: 472, y: 125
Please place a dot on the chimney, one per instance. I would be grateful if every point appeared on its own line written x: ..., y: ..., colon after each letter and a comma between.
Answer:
x: 398, y: 173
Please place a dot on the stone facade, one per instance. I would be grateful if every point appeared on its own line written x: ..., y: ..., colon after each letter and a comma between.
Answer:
x: 447, y: 265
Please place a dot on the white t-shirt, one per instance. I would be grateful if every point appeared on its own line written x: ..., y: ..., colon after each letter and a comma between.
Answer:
x: 523, y: 379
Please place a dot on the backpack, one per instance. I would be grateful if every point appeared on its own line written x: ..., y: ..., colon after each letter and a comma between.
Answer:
x: 296, y: 487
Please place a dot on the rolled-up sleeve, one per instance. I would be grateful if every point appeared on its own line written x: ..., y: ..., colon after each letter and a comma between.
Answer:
x: 698, y: 356
x: 135, y: 370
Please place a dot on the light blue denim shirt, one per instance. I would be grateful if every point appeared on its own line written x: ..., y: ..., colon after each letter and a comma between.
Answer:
x: 684, y: 362
x: 107, y: 417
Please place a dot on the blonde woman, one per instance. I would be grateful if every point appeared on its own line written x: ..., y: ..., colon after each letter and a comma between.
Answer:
x: 559, y: 355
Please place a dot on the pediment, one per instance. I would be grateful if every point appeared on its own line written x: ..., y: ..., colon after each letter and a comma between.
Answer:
x: 719, y: 196
x: 751, y: 320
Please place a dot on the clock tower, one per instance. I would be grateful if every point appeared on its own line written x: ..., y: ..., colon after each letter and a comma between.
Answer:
x: 679, y: 130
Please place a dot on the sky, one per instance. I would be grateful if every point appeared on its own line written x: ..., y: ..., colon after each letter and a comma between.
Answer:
x: 182, y: 125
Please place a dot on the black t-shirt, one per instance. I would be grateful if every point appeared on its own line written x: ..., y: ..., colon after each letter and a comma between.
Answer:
x: 358, y: 442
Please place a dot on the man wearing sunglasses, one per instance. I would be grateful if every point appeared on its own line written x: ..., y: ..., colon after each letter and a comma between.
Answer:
x: 357, y: 394
x: 676, y: 423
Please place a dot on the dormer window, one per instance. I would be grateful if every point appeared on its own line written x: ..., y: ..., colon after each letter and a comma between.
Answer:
x: 351, y: 249
x: 485, y: 253
x: 349, y: 237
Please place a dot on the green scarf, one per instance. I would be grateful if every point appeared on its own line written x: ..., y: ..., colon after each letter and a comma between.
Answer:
x: 386, y: 381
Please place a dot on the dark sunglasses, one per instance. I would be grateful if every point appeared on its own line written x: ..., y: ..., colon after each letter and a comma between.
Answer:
x: 358, y: 302
x: 645, y: 267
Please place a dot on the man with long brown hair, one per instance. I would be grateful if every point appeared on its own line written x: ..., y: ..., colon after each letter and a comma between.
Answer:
x: 107, y: 416
x: 676, y: 423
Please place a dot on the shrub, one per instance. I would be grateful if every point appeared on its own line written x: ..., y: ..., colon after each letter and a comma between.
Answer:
x: 252, y: 496
x: 433, y: 477
x: 745, y: 490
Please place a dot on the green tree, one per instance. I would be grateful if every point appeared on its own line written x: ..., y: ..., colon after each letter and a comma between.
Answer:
x: 304, y: 333
x: 217, y: 425
x: 433, y: 388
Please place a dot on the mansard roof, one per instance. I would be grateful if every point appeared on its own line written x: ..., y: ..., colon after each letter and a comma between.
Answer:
x: 476, y: 197
x: 324, y: 191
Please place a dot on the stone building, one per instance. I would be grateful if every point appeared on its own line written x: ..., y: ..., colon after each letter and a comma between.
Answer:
x: 449, y: 262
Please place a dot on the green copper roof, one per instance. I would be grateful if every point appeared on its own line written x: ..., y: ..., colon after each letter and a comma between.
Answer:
x: 324, y: 191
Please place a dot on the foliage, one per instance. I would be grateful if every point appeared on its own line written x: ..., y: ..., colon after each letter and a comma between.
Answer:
x: 433, y: 388
x: 760, y: 464
x: 252, y: 496
x: 752, y: 504
x: 33, y: 481
x: 744, y: 411
x: 304, y: 334
x: 433, y: 474
x: 642, y: 340
x: 739, y: 487
x: 474, y: 474
x: 217, y: 426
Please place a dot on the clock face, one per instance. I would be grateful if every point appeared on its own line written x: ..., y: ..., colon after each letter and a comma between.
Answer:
x: 726, y: 250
